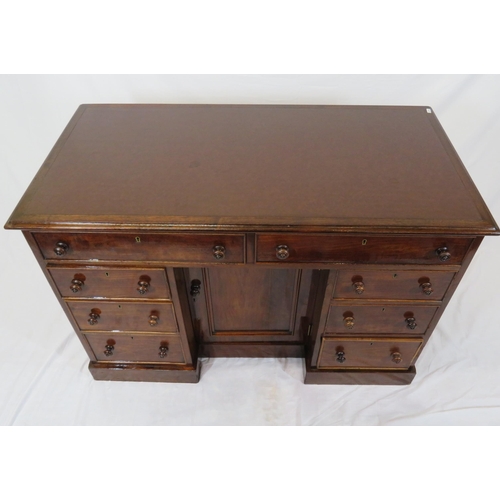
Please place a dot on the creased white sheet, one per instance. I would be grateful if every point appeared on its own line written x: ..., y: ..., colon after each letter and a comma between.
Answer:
x: 44, y: 378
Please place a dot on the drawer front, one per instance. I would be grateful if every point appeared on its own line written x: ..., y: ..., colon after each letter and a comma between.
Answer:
x: 409, y: 285
x: 342, y: 353
x: 110, y: 282
x: 124, y: 316
x: 175, y: 247
x: 136, y: 348
x: 408, y: 319
x: 359, y: 249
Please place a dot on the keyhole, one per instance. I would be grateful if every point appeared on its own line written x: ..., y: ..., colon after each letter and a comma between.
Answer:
x: 395, y: 275
x: 364, y: 242
x: 137, y: 239
x: 107, y: 274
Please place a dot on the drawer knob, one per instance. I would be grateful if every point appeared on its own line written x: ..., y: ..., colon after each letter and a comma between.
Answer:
x: 142, y: 287
x: 76, y: 285
x: 153, y: 319
x: 340, y: 356
x: 410, y: 323
x: 349, y: 322
x: 219, y: 252
x: 61, y: 248
x: 396, y: 357
x: 195, y: 288
x: 359, y: 287
x: 93, y: 317
x: 163, y: 351
x: 108, y: 350
x: 282, y: 252
x: 426, y: 288
x: 443, y: 254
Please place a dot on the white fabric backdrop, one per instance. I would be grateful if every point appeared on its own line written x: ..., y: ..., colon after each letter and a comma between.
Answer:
x: 43, y: 368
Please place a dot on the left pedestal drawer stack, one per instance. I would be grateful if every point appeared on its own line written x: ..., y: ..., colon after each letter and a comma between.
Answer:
x: 128, y: 315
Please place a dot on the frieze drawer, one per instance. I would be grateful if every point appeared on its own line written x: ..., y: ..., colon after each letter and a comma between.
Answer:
x: 171, y: 247
x: 316, y: 248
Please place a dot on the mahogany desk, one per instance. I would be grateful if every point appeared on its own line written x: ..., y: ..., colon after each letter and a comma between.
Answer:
x: 333, y: 233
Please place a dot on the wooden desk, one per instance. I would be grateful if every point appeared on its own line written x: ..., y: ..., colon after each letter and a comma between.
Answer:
x: 333, y: 233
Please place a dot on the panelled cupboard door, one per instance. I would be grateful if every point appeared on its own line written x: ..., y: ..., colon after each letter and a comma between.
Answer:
x: 249, y: 304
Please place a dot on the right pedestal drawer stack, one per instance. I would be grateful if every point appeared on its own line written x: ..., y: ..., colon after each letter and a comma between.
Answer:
x: 376, y: 318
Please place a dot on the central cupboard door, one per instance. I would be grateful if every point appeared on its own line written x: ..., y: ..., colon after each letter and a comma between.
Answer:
x: 246, y: 303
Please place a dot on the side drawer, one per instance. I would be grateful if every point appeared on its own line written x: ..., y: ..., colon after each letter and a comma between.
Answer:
x: 124, y: 316
x: 317, y: 248
x: 349, y: 317
x: 136, y: 347
x: 165, y: 247
x: 110, y: 282
x: 341, y: 353
x: 406, y: 285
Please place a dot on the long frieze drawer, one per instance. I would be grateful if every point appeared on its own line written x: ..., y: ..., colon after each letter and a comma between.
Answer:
x: 166, y: 247
x: 359, y: 249
x: 407, y: 285
x: 341, y: 353
x: 124, y: 316
x: 136, y: 348
x: 110, y: 282
x: 408, y: 319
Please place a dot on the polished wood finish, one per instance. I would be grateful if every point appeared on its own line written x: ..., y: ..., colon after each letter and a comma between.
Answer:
x: 378, y: 318
x: 145, y: 372
x: 359, y: 377
x: 255, y: 168
x: 268, y: 310
x: 250, y: 304
x: 252, y: 350
x: 360, y: 249
x: 197, y: 248
x: 136, y: 347
x: 110, y: 282
x: 344, y: 352
x: 404, y: 285
x: 334, y: 233
x: 124, y: 316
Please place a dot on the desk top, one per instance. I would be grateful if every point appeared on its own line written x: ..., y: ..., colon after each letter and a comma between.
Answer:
x: 381, y: 169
